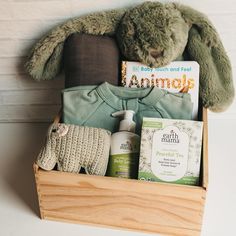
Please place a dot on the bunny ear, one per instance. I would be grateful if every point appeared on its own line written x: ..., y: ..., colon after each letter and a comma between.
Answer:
x: 216, y: 83
x: 44, y: 61
x: 205, y: 47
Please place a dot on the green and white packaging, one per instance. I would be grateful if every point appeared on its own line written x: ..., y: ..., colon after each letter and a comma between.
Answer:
x: 170, y: 151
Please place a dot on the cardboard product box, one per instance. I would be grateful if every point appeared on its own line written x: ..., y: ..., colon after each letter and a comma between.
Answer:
x: 170, y: 151
x: 168, y: 209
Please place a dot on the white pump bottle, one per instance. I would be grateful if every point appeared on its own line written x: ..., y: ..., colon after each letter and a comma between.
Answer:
x: 125, y: 145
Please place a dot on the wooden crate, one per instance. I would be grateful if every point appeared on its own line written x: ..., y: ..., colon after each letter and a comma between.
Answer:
x: 167, y: 209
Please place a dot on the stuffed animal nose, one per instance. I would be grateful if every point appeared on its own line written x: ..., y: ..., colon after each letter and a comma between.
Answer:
x: 155, y: 54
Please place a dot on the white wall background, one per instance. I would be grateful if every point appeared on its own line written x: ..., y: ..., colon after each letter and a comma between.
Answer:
x: 23, y: 22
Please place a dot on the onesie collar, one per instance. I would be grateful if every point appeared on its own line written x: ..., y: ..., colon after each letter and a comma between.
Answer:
x: 116, y: 95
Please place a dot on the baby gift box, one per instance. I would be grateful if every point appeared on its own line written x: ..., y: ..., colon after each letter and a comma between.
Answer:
x: 163, y: 208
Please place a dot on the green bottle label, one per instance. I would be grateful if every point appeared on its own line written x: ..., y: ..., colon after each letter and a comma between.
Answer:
x: 123, y: 165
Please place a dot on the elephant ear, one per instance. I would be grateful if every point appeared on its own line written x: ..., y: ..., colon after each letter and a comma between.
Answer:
x: 47, y: 156
x: 205, y: 47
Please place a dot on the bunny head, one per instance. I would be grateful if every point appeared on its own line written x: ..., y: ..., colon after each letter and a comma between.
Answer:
x: 153, y: 33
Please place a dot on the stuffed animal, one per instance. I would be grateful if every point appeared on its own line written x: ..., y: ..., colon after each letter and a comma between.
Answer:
x: 153, y: 33
x: 73, y: 147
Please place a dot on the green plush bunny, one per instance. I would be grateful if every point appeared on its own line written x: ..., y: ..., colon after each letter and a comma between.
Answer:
x: 154, y: 34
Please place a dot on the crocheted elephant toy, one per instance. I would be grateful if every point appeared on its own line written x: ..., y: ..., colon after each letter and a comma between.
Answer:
x: 73, y: 147
x: 154, y: 34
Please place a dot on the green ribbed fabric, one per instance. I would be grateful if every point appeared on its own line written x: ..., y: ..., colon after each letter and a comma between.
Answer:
x: 93, y: 105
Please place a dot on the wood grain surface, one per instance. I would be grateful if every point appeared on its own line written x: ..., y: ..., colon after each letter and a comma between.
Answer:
x: 152, y: 207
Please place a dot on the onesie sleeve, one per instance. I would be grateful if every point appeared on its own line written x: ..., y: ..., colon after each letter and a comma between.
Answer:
x: 79, y: 103
x: 176, y: 106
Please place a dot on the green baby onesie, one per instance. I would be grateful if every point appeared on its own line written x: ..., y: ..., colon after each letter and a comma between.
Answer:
x: 93, y: 105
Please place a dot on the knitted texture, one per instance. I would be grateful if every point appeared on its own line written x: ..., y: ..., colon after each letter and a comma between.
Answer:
x: 72, y: 147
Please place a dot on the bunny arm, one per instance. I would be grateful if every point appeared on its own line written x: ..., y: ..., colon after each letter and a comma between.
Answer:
x: 45, y: 59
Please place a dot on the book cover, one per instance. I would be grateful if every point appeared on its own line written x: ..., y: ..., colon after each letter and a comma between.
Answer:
x: 170, y: 151
x: 178, y: 76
